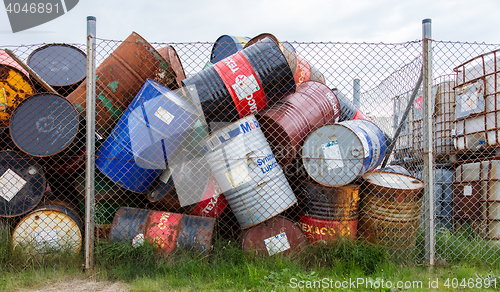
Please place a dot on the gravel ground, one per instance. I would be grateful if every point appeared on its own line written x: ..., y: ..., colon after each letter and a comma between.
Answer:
x: 83, y: 286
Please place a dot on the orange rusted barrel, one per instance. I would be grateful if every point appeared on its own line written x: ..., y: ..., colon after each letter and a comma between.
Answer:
x: 119, y: 78
x: 390, y: 209
x: 15, y: 86
x: 328, y: 212
x: 174, y: 61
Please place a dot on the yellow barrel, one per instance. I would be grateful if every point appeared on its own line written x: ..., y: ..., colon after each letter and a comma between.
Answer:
x: 14, y: 88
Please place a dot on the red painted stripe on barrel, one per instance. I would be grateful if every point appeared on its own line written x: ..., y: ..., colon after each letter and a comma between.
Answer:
x: 323, y: 230
x: 242, y: 83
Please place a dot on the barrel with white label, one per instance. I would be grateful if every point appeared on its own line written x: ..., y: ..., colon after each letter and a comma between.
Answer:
x: 247, y: 172
x: 338, y: 154
x: 277, y: 236
x: 243, y: 83
x: 49, y: 228
x: 22, y: 182
x: 151, y: 129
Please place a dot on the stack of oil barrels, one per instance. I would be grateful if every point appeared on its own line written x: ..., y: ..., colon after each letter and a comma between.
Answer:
x: 257, y: 130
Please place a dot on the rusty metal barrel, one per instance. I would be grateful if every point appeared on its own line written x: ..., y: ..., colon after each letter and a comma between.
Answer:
x: 328, y: 213
x: 390, y: 209
x: 15, y: 86
x: 167, y: 231
x: 287, y: 123
x: 23, y: 183
x: 243, y: 83
x: 278, y: 235
x: 47, y: 125
x: 174, y: 61
x: 62, y: 66
x: 49, y: 228
x: 247, y: 172
x: 338, y: 154
x: 120, y: 77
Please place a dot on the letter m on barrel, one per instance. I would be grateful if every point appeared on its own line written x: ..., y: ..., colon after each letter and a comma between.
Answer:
x: 249, y: 126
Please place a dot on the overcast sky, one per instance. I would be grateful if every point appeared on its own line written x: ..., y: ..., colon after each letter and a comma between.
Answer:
x: 388, y: 21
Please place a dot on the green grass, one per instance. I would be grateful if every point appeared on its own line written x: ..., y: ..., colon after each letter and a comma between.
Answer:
x: 229, y: 268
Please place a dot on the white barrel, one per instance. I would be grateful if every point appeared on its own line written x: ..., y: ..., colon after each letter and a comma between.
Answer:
x: 247, y: 172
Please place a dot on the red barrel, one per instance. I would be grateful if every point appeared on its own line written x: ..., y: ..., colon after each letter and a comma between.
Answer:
x: 278, y: 235
x: 167, y: 231
x: 287, y: 123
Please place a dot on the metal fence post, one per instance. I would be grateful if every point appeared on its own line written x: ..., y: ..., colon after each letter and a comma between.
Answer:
x: 428, y: 142
x: 357, y: 93
x: 89, y: 173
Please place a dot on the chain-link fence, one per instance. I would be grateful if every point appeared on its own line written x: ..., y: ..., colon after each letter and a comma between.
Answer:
x: 274, y: 144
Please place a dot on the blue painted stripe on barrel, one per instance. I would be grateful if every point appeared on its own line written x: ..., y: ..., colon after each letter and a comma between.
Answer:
x: 195, y: 233
x: 149, y: 131
x: 360, y: 132
x: 381, y: 139
x: 128, y: 223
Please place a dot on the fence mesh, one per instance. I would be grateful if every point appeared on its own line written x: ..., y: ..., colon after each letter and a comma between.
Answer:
x: 265, y: 142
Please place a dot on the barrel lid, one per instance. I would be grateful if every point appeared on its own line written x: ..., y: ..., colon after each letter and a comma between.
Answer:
x: 23, y: 183
x: 275, y: 236
x: 393, y: 180
x: 392, y: 186
x: 44, y: 124
x: 333, y: 155
x: 59, y: 64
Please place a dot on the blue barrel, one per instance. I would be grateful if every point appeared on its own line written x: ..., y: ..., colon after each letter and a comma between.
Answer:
x: 151, y: 129
x: 225, y: 46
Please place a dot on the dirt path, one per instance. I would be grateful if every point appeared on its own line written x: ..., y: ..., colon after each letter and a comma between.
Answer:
x: 83, y: 286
